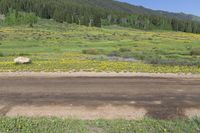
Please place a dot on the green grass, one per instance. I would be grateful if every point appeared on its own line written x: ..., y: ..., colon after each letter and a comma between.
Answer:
x: 57, y: 125
x: 56, y: 46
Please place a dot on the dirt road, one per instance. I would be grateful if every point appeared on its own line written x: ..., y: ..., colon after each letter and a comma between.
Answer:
x: 92, y: 98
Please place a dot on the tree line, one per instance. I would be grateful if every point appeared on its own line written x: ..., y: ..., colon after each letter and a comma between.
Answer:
x: 75, y: 11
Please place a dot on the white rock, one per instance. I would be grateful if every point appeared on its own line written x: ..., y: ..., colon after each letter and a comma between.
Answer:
x: 22, y: 60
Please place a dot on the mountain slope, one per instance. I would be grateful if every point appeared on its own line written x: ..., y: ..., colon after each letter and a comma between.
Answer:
x: 104, y: 12
x: 128, y: 8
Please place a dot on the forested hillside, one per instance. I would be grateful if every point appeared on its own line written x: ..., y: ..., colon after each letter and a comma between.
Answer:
x: 104, y: 12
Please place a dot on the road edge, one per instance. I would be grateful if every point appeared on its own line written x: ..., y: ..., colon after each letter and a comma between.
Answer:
x: 97, y: 74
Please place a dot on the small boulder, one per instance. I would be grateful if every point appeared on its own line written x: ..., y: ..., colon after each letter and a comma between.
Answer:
x: 22, y: 60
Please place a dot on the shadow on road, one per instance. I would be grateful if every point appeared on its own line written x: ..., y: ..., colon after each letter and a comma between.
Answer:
x: 163, y: 106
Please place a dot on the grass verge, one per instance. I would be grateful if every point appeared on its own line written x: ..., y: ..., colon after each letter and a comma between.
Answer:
x: 69, y: 65
x: 57, y: 125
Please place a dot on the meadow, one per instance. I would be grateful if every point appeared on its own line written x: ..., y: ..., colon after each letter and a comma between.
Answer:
x: 66, y: 47
x: 57, y: 125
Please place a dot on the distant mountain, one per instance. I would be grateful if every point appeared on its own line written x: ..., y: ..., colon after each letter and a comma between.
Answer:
x: 129, y: 8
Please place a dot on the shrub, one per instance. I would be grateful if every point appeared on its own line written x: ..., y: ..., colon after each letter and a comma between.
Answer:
x: 114, y: 53
x: 172, y: 62
x: 1, y: 54
x: 23, y: 54
x: 127, y: 55
x: 153, y: 60
x: 93, y: 51
x: 195, y: 51
x: 139, y: 56
x: 124, y: 50
x: 150, y: 38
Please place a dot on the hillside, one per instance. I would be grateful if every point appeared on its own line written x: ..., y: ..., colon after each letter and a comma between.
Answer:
x: 132, y: 9
x: 104, y: 12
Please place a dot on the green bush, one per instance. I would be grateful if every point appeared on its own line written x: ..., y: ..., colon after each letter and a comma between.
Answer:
x: 17, y: 18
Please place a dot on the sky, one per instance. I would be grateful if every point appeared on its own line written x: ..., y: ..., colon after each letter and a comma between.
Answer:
x: 186, y: 6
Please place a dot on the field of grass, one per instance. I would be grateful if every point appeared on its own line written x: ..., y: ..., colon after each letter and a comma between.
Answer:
x: 54, y: 46
x: 56, y: 125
